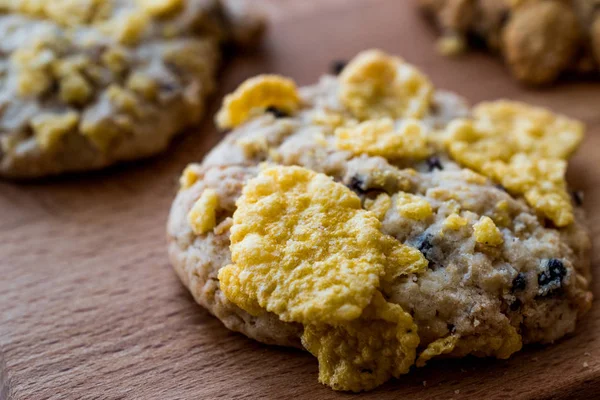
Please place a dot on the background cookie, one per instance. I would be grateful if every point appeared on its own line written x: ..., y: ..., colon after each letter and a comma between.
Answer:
x: 538, y: 39
x: 86, y: 85
x: 499, y: 275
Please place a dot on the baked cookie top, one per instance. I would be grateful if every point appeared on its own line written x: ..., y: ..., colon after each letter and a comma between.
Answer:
x: 379, y: 222
x: 86, y: 83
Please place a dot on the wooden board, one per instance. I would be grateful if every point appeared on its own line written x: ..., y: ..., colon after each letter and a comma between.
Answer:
x: 89, y: 307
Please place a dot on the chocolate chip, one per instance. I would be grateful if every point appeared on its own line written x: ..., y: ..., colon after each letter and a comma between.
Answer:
x: 338, y: 66
x: 366, y: 371
x: 425, y: 246
x: 167, y: 87
x: 277, y: 113
x: 515, y: 305
x: 520, y: 282
x: 357, y: 185
x: 577, y: 197
x: 434, y: 163
x: 500, y: 187
x: 550, y: 279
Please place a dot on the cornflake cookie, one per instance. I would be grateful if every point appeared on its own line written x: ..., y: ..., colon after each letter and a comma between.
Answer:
x: 539, y: 40
x: 85, y: 83
x: 378, y: 235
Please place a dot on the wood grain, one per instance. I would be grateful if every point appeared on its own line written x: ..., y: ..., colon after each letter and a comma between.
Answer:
x: 90, y: 309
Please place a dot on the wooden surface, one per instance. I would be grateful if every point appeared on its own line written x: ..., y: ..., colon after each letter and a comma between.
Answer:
x: 89, y: 307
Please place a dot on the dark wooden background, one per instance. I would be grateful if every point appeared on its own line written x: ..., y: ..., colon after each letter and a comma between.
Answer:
x: 89, y: 307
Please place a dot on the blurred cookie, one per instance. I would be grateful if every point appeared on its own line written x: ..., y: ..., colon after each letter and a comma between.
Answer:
x: 86, y: 84
x: 539, y: 40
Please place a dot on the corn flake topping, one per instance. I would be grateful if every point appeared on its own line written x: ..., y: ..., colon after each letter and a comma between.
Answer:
x: 413, y: 207
x: 364, y: 353
x: 500, y: 345
x: 304, y: 249
x: 254, y: 96
x: 381, y: 138
x: 50, y: 128
x: 203, y: 215
x: 523, y: 148
x: 377, y: 85
x: 486, y: 232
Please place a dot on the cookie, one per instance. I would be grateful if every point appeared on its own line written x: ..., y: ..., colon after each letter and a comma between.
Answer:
x: 539, y: 40
x: 86, y: 84
x: 378, y: 222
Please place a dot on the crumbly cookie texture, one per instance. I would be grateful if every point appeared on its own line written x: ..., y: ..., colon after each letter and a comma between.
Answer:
x: 539, y: 40
x: 87, y: 83
x: 374, y: 243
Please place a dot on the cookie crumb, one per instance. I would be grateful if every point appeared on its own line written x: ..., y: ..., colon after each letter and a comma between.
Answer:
x: 451, y: 46
x: 457, y: 391
x: 587, y: 354
x: 585, y: 365
x: 424, y: 383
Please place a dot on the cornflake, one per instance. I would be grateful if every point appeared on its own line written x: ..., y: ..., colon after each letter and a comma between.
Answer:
x: 486, y: 232
x: 381, y: 138
x: 254, y: 96
x: 523, y: 148
x: 303, y: 248
x: 501, y: 345
x: 203, y: 215
x: 376, y: 85
x: 364, y: 353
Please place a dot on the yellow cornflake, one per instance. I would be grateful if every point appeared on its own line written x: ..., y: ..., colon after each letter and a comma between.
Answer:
x: 377, y: 85
x: 34, y: 76
x: 534, y: 130
x: 403, y: 260
x: 379, y: 206
x: 74, y: 89
x: 143, y: 84
x: 127, y: 28
x: 254, y: 96
x: 454, y: 222
x: 436, y: 348
x: 160, y: 8
x: 362, y: 354
x: 303, y: 248
x: 507, y: 136
x: 100, y: 133
x: 49, y: 128
x: 115, y: 58
x: 486, y: 232
x: 203, y: 215
x: 380, y: 138
x: 122, y: 99
x: 189, y: 176
x: 501, y: 345
x: 542, y: 181
x: 413, y: 207
x: 64, y: 12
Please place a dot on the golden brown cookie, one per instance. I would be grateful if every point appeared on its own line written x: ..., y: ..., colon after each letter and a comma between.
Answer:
x: 86, y: 84
x: 540, y: 40
x: 379, y: 235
